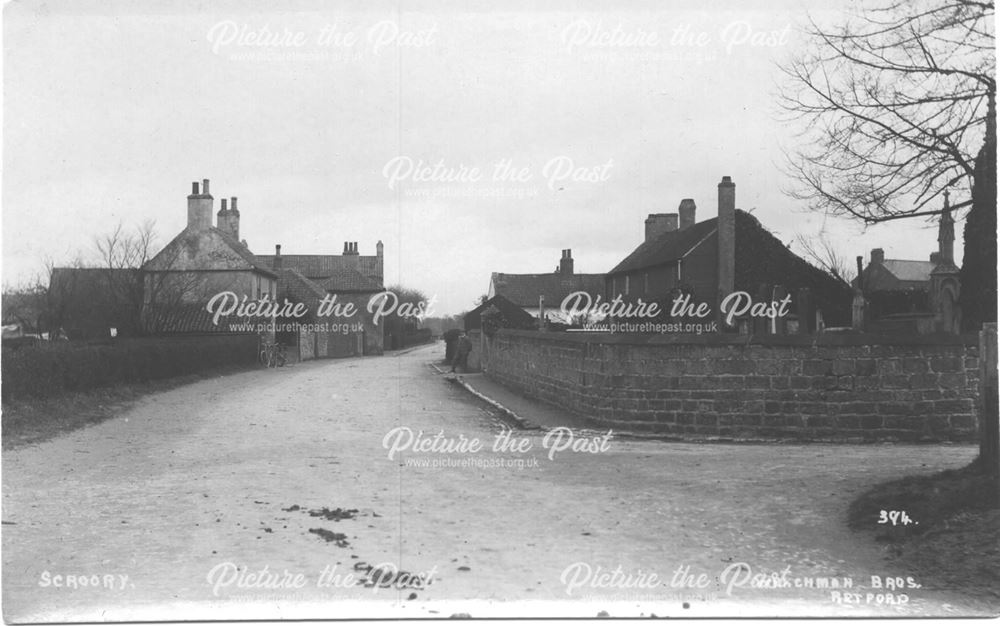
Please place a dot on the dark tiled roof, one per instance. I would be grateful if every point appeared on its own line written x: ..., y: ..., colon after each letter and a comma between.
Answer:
x: 665, y: 248
x: 193, y: 318
x: 293, y: 285
x: 516, y: 316
x: 323, y: 266
x: 349, y: 279
x: 524, y: 289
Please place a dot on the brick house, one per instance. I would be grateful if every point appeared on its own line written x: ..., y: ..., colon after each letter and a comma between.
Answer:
x: 531, y: 292
x: 204, y: 260
x: 716, y: 257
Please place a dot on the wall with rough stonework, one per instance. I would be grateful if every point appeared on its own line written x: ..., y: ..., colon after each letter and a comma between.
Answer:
x: 840, y: 387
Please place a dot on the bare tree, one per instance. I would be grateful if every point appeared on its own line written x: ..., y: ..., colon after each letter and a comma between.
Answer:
x: 821, y: 252
x: 895, y: 102
x: 122, y: 254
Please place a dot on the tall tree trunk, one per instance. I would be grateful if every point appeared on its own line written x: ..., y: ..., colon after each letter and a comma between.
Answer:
x: 979, y: 265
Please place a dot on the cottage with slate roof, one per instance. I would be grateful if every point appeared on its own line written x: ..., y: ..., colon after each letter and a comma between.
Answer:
x: 531, y: 292
x: 731, y: 252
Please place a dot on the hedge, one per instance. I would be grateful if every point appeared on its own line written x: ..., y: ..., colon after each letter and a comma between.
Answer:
x: 53, y: 368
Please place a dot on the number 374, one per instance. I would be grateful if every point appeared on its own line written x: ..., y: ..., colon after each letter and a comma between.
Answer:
x: 896, y: 518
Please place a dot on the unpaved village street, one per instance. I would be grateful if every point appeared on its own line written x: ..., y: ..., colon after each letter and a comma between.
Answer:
x: 154, y: 505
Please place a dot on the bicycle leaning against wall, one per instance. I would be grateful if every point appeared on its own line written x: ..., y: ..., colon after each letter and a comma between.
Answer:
x: 271, y: 354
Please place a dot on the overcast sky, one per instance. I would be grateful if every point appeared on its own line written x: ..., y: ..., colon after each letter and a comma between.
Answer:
x: 318, y: 120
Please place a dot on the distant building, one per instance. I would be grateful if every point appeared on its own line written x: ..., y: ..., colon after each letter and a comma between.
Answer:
x: 730, y: 252
x: 531, y: 292
x: 884, y: 274
x: 913, y: 296
x: 350, y: 277
x: 512, y: 315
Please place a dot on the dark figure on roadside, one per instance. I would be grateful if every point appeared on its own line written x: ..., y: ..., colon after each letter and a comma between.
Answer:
x: 462, y: 351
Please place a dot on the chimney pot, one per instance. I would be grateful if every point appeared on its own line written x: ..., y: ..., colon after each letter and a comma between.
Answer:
x: 204, y: 187
x: 277, y: 249
x: 223, y: 209
x: 878, y: 256
x: 232, y: 203
x: 194, y: 189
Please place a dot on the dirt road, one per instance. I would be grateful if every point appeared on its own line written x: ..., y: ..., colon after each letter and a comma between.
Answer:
x: 175, y: 510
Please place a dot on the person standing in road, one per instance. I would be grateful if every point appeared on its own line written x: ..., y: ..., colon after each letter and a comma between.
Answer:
x: 462, y: 351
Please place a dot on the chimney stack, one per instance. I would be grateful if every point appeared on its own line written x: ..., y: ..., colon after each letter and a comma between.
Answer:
x: 878, y: 256
x: 687, y: 210
x: 229, y: 220
x: 234, y: 219
x: 199, y: 207
x: 726, y: 237
x: 659, y: 223
x: 566, y: 263
x: 277, y: 257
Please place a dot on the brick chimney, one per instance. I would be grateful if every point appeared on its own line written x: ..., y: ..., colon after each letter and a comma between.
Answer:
x: 659, y: 223
x: 199, y: 207
x: 379, y: 259
x: 566, y: 263
x: 726, y: 239
x: 277, y: 257
x: 878, y: 256
x: 687, y: 212
x: 234, y: 219
x: 229, y: 219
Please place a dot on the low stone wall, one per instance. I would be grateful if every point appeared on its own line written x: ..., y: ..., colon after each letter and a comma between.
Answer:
x: 840, y: 387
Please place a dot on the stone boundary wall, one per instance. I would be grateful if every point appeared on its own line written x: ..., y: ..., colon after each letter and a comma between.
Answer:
x: 836, y: 387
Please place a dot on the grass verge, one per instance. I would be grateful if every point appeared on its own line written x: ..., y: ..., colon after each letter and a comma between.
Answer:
x: 953, y: 543
x: 32, y: 421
